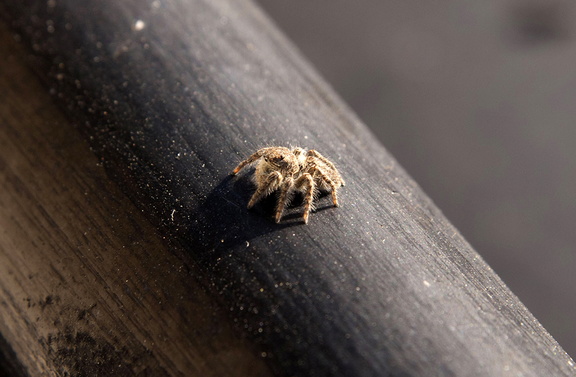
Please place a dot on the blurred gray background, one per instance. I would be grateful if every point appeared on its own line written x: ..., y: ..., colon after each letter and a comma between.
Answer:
x: 477, y: 100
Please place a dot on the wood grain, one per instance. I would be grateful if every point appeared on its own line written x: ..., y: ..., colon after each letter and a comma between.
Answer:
x: 86, y: 285
x: 171, y: 96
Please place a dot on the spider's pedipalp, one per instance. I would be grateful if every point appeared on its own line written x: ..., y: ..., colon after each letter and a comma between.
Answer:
x: 269, y: 185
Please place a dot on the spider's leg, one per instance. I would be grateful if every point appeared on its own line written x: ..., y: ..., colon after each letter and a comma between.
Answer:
x: 284, y: 197
x: 307, y: 181
x: 326, y: 177
x: 247, y: 161
x: 327, y: 162
x: 270, y: 184
x: 314, y: 153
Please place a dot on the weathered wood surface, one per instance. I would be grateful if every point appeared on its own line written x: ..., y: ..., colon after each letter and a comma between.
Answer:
x: 86, y: 285
x: 476, y: 101
x: 171, y: 96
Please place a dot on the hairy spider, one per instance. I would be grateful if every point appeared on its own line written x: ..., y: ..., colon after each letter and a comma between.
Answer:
x: 290, y: 171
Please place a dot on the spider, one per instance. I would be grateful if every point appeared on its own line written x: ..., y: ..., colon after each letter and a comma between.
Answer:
x: 290, y: 171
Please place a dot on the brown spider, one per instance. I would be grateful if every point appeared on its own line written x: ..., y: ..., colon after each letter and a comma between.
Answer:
x: 290, y: 171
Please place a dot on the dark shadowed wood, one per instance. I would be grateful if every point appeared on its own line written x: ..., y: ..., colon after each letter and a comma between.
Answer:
x: 171, y: 96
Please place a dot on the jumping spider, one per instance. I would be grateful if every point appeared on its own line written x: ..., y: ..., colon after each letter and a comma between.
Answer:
x: 290, y: 171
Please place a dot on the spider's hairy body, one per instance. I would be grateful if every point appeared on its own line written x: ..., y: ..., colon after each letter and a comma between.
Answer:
x: 290, y: 171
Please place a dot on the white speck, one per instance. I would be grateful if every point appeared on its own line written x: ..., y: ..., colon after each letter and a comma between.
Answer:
x: 247, y: 243
x: 426, y: 283
x: 306, y: 137
x: 139, y: 25
x: 172, y: 215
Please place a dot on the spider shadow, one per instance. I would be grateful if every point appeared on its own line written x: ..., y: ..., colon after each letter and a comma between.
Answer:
x: 295, y: 208
x: 244, y: 254
x: 223, y: 216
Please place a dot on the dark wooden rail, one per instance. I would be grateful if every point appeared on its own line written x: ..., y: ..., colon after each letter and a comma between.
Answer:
x: 126, y: 248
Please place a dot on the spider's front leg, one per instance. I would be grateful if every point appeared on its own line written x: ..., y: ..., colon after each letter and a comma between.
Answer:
x: 247, y: 161
x: 284, y: 197
x: 306, y: 181
x: 266, y: 187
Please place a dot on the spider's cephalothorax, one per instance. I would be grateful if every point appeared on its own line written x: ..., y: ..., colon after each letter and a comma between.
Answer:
x: 290, y: 171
